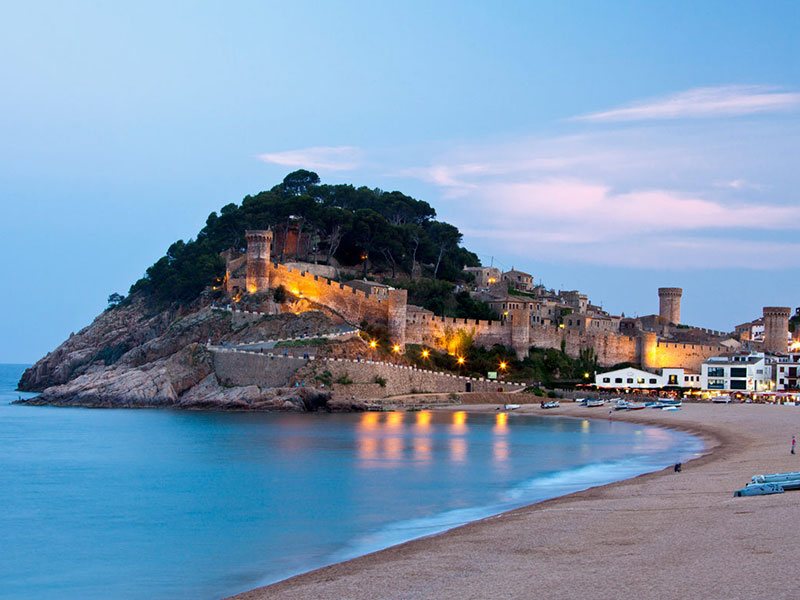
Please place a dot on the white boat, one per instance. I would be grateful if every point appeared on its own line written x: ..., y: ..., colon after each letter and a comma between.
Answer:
x: 670, y: 408
x: 722, y: 399
x: 511, y: 406
x: 595, y: 403
x: 636, y: 405
x: 551, y: 404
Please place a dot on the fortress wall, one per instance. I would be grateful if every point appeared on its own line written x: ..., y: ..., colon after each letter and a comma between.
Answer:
x: 687, y: 356
x: 429, y: 330
x: 248, y: 368
x: 400, y: 380
x: 354, y: 305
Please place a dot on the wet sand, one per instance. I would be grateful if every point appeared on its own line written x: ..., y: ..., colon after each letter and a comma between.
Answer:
x: 661, y: 535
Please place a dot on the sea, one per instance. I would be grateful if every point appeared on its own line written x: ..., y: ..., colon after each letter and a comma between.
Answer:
x: 151, y: 504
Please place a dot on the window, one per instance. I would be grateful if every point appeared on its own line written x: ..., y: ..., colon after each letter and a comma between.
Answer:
x: 739, y: 372
x: 716, y: 384
x: 640, y: 380
x: 618, y: 380
x: 673, y: 380
x: 653, y: 381
x: 606, y: 380
x: 738, y: 384
x: 716, y: 372
x: 630, y: 379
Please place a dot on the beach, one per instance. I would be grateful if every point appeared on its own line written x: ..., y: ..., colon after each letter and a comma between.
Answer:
x: 660, y: 535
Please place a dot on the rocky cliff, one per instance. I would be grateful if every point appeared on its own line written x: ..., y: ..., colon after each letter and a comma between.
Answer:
x: 135, y: 356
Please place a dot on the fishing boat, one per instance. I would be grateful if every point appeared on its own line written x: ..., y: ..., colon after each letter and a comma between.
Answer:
x: 620, y: 404
x: 511, y: 406
x: 594, y: 402
x: 636, y: 405
x: 671, y: 408
x: 551, y: 404
x: 759, y: 489
x: 776, y: 477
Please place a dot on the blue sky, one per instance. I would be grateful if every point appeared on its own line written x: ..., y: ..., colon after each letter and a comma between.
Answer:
x: 608, y: 146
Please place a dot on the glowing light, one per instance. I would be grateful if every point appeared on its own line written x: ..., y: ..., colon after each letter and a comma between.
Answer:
x: 492, y: 280
x: 505, y: 313
x: 425, y: 354
x: 459, y: 421
x: 394, y: 420
x: 423, y: 419
x: 561, y: 326
x: 296, y: 291
x: 369, y: 420
x: 503, y: 366
x: 396, y: 348
x: 501, y: 422
x: 460, y: 360
x: 586, y: 375
x: 373, y: 344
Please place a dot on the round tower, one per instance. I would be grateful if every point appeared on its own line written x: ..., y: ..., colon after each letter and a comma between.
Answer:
x: 258, y: 255
x: 669, y: 304
x: 776, y: 329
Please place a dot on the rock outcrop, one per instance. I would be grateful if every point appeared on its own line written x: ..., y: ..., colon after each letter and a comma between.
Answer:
x: 135, y: 356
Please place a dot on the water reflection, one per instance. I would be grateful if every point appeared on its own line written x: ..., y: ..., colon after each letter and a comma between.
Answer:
x: 458, y: 449
x: 500, y: 450
x: 423, y: 419
x: 501, y: 423
x: 459, y: 422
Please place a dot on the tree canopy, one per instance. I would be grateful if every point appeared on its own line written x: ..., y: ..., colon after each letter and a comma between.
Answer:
x: 382, y: 232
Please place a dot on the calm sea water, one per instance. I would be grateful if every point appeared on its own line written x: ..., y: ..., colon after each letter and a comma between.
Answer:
x: 168, y: 504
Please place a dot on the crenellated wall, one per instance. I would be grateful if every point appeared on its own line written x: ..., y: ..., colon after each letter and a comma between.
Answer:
x: 516, y: 331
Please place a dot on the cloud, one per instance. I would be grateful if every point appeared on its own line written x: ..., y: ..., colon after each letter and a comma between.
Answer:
x: 721, y: 101
x: 317, y: 158
x: 660, y: 196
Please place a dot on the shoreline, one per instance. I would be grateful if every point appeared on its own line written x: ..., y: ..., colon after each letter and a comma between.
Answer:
x: 461, y: 554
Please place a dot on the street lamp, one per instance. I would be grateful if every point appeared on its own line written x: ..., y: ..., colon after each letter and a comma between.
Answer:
x: 426, y: 353
x: 460, y: 360
x: 373, y: 344
x: 396, y: 348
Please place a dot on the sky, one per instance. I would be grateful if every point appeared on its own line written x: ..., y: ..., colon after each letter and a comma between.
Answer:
x: 612, y: 147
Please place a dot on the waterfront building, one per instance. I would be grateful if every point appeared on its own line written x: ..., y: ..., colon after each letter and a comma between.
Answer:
x: 738, y: 373
x: 633, y: 378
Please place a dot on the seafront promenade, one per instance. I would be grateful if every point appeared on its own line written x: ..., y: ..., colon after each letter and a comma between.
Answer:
x: 658, y: 536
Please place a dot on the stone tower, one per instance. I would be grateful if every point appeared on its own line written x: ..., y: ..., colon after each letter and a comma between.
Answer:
x: 396, y: 311
x: 776, y: 329
x: 669, y: 304
x: 520, y: 319
x: 258, y: 255
x: 647, y: 349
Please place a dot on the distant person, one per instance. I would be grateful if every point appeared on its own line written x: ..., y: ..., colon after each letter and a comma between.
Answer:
x: 794, y: 443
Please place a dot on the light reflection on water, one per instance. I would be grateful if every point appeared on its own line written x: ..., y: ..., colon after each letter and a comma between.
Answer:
x: 157, y: 504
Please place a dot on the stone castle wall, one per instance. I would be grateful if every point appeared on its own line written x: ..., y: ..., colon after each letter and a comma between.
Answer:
x: 241, y: 368
x: 355, y: 306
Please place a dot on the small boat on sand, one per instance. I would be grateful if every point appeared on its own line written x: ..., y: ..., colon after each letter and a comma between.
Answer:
x: 636, y: 405
x: 776, y: 477
x: 511, y: 406
x: 594, y: 402
x: 551, y: 404
x: 759, y: 489
x: 671, y: 408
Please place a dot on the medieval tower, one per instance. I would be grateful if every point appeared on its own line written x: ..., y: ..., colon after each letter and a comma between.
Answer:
x: 669, y: 304
x: 776, y: 328
x: 259, y: 243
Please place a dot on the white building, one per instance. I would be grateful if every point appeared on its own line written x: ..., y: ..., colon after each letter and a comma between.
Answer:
x: 744, y: 373
x: 633, y: 378
x: 786, y: 373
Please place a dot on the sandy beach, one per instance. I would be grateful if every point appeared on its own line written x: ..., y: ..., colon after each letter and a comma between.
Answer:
x: 661, y: 535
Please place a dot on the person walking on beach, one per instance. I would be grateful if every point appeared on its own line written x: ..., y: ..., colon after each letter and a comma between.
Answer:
x: 794, y: 443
